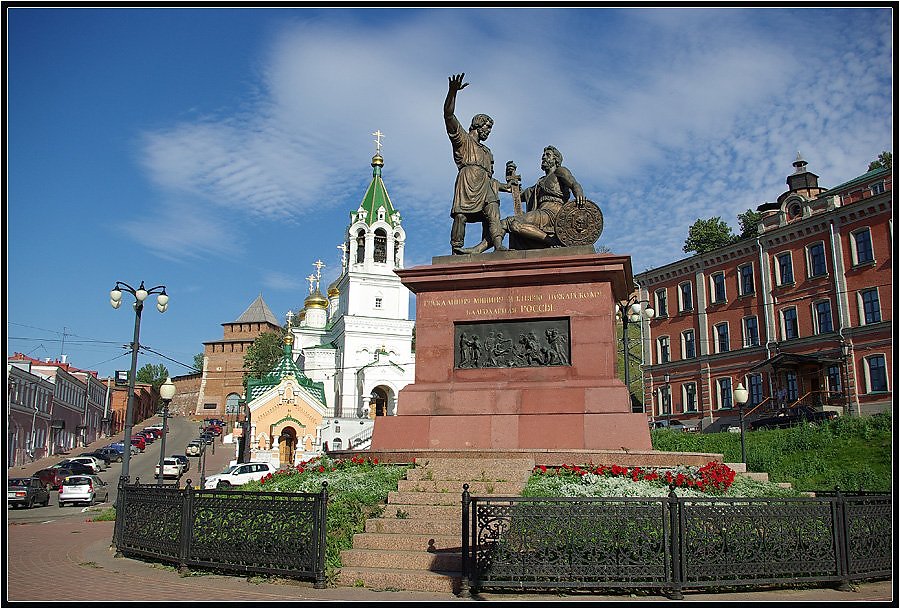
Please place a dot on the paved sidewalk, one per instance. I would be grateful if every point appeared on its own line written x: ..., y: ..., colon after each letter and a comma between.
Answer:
x: 84, y: 569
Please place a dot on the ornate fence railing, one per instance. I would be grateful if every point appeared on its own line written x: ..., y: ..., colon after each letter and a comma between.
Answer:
x: 244, y: 531
x: 671, y: 543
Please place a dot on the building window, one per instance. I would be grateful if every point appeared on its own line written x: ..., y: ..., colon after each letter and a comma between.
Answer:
x: 662, y: 309
x: 834, y: 379
x: 861, y: 247
x: 665, y: 399
x: 877, y: 188
x: 718, y: 287
x: 789, y: 328
x: 871, y: 307
x: 754, y: 389
x: 722, y: 337
x: 822, y: 317
x: 689, y: 395
x: 209, y: 406
x: 793, y: 389
x: 724, y: 392
x: 751, y: 332
x: 815, y: 260
x: 688, y: 350
x: 360, y: 246
x: 662, y: 349
x: 378, y: 302
x: 380, y: 245
x: 745, y: 279
x: 876, y: 374
x: 685, y: 297
x: 785, y: 269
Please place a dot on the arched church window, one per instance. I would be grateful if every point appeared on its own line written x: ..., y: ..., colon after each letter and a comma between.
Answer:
x: 360, y: 246
x: 232, y: 404
x: 380, y: 245
x: 337, y: 444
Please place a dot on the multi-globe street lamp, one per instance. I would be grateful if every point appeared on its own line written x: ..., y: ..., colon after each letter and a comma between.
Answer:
x: 166, y: 392
x: 162, y: 303
x: 631, y: 311
x: 741, y: 396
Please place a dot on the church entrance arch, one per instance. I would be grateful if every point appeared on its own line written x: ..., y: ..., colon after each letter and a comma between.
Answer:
x: 287, y: 446
x: 378, y: 406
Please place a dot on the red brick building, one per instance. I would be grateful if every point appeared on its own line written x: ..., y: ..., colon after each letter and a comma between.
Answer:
x: 803, y: 312
x: 222, y: 382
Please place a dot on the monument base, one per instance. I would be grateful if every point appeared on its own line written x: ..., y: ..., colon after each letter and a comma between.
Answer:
x: 565, y: 398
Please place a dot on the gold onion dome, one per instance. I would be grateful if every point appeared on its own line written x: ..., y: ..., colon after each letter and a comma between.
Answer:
x: 333, y: 289
x: 315, y: 301
x: 378, y: 161
x: 288, y: 339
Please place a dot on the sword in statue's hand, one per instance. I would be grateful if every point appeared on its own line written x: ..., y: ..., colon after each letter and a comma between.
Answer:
x: 514, y: 181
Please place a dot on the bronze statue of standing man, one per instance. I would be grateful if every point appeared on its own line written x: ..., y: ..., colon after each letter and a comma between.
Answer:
x: 476, y: 195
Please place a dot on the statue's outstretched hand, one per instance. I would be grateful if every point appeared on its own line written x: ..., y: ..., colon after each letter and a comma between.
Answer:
x: 456, y: 82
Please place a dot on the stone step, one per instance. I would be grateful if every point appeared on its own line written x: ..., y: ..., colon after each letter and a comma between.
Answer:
x: 758, y: 476
x: 414, y: 526
x: 404, y: 511
x: 455, y: 488
x: 402, y: 559
x: 397, y: 541
x: 462, y: 475
x: 412, y: 498
x: 739, y: 468
x: 784, y: 484
x: 400, y: 579
x: 477, y: 463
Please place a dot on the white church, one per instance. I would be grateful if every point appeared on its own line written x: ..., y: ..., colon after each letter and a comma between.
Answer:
x: 352, y: 346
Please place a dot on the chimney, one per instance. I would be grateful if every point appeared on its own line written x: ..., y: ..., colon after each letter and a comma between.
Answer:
x: 64, y: 357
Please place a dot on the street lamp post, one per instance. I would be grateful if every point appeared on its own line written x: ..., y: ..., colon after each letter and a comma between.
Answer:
x: 202, y: 459
x: 741, y: 396
x: 631, y: 311
x: 166, y: 392
x: 162, y: 303
x: 845, y: 354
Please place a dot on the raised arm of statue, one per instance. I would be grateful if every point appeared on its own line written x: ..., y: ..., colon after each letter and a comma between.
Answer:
x: 455, y: 83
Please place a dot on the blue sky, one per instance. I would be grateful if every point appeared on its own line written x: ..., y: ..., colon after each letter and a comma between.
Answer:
x: 219, y: 151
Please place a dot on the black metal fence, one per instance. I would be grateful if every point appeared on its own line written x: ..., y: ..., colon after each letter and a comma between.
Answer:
x: 671, y: 543
x: 244, y: 531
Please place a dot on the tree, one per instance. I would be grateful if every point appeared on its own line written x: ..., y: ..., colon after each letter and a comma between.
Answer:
x: 262, y: 355
x: 883, y: 161
x: 707, y: 235
x: 198, y: 362
x: 154, y: 374
x: 749, y: 221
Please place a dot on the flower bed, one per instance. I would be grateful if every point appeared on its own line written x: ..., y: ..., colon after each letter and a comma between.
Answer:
x: 714, y: 478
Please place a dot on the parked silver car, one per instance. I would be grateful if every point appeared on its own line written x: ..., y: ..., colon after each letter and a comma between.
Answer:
x: 83, y: 489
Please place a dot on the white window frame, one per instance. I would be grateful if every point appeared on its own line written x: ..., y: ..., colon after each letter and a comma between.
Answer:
x: 876, y: 188
x: 684, y: 354
x: 684, y: 397
x: 779, y: 280
x: 720, y: 393
x: 718, y: 346
x: 861, y: 306
x: 740, y: 279
x: 868, y: 375
x: 853, y: 248
x: 659, y: 349
x: 712, y: 288
x: 815, y: 316
x: 744, y: 334
x: 783, y: 325
x: 809, y: 260
x: 662, y: 304
x: 682, y: 308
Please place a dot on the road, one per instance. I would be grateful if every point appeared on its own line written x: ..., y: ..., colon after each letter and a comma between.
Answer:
x: 142, y: 466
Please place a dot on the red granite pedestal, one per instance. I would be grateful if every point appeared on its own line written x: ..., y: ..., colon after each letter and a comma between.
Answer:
x: 578, y: 406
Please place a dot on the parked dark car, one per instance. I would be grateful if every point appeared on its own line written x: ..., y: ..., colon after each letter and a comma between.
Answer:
x: 52, y: 477
x: 207, y: 437
x: 112, y: 454
x: 185, y: 464
x: 789, y: 417
x: 75, y: 467
x: 26, y: 492
x: 213, y: 429
x: 99, y: 455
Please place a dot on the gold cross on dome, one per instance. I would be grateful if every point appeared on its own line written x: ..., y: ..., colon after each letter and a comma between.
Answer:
x: 311, y: 279
x: 318, y: 264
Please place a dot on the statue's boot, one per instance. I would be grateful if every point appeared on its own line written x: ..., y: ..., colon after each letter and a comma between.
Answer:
x: 475, y: 249
x: 498, y: 244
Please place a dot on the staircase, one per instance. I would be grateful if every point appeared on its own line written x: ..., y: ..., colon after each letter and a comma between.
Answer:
x: 415, y: 544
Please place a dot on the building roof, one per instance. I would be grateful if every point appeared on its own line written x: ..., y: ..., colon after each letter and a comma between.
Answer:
x: 859, y: 180
x: 284, y: 368
x: 257, y: 312
x: 376, y: 197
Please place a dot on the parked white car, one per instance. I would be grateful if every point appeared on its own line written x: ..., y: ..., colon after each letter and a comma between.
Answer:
x: 172, y: 468
x: 241, y: 473
x: 93, y: 462
x: 193, y: 448
x: 83, y: 489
